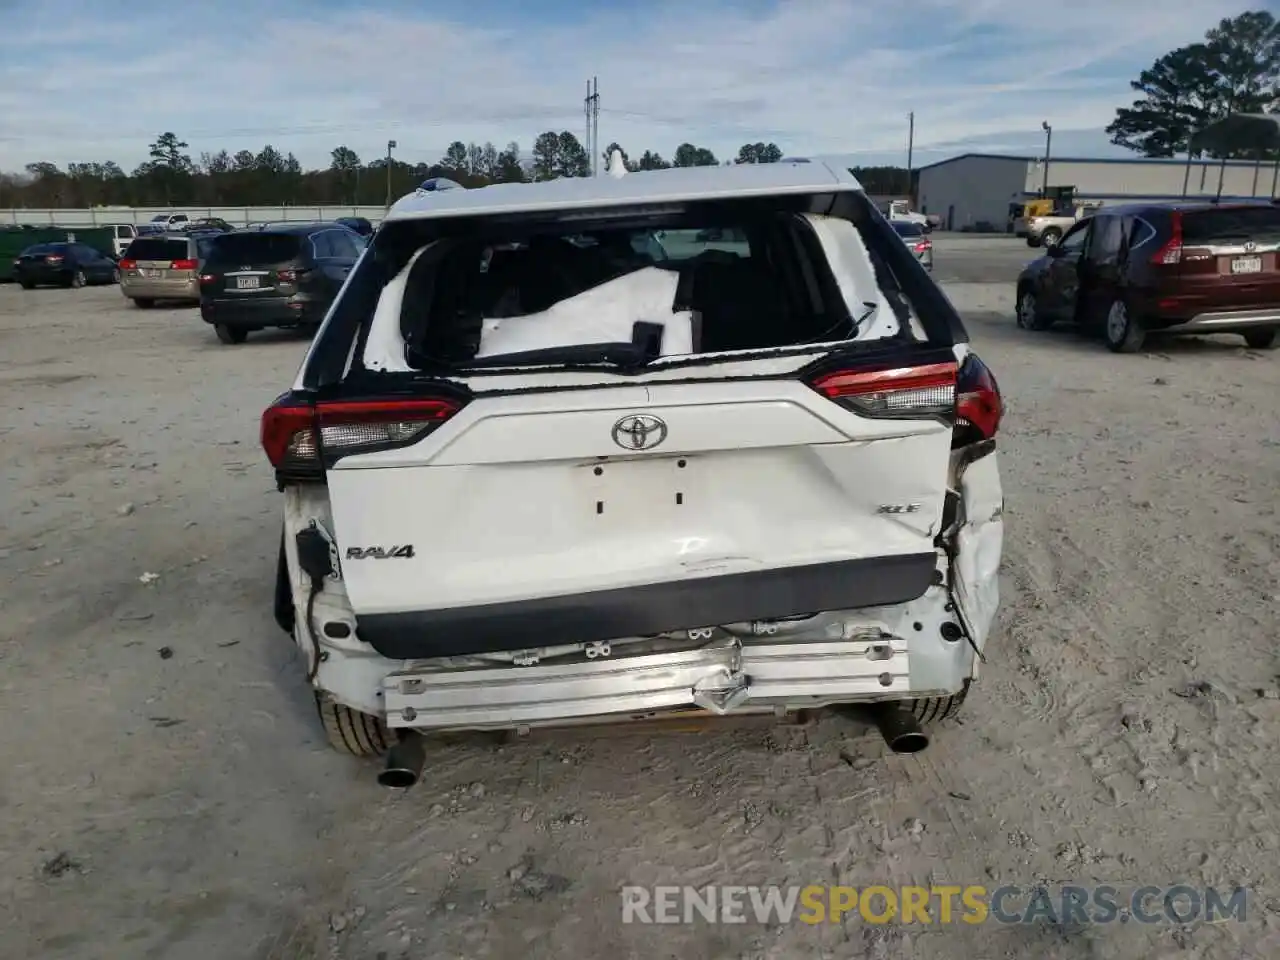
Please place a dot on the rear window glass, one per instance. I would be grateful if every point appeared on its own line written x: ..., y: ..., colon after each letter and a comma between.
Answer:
x: 907, y: 229
x: 1228, y: 223
x: 254, y: 248
x: 157, y: 248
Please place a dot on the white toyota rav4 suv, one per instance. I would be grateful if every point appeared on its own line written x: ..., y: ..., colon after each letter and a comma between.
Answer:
x: 612, y: 449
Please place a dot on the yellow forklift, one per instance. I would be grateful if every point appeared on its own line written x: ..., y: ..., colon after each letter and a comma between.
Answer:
x: 1055, y: 200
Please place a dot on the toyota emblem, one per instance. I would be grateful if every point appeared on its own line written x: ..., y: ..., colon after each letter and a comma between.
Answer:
x: 639, y: 432
x: 1250, y: 247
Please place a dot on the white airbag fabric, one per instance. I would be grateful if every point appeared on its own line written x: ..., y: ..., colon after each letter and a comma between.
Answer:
x: 603, y: 314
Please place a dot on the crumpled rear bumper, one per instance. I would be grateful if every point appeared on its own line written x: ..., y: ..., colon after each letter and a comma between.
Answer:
x: 855, y: 656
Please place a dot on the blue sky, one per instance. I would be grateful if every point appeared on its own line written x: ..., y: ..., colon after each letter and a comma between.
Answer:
x: 83, y: 81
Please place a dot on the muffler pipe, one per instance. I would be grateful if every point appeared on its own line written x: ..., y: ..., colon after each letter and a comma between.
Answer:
x: 404, y: 763
x: 900, y: 729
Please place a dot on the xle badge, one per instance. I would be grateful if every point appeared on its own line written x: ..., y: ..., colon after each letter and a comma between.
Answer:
x: 897, y: 508
x: 381, y: 553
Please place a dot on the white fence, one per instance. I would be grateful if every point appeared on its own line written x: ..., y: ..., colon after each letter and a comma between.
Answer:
x: 95, y: 216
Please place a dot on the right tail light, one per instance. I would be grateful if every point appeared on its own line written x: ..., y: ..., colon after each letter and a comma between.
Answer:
x: 967, y: 395
x: 979, y: 405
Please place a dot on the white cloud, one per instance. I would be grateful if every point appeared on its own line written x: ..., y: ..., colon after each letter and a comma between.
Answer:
x: 816, y: 76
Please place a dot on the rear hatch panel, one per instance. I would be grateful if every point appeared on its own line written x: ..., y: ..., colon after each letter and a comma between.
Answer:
x: 528, y: 521
x: 251, y: 266
x: 1230, y: 258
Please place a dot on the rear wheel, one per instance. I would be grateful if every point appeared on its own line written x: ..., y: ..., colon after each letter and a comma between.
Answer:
x: 1261, y: 339
x: 77, y: 279
x: 353, y: 732
x: 1123, y: 331
x: 145, y: 303
x: 230, y: 334
x: 1051, y: 236
x: 934, y: 709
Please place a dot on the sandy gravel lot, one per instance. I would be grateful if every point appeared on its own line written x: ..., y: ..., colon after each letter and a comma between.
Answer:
x: 166, y: 791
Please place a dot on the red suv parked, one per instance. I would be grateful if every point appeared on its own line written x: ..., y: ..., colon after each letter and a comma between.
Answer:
x: 1179, y: 269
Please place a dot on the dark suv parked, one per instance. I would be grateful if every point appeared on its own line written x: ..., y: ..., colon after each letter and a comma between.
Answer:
x: 1179, y: 269
x: 283, y: 276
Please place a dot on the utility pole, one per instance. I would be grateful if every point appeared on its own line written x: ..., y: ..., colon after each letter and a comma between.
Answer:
x: 911, y: 142
x: 595, y: 126
x: 391, y: 145
x: 586, y: 111
x: 1048, y: 144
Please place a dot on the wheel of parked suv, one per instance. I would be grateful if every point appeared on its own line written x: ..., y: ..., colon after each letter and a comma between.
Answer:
x: 144, y: 303
x: 229, y: 334
x: 1032, y: 242
x: 1028, y: 312
x: 1123, y: 332
x: 933, y: 709
x: 77, y: 279
x: 1261, y: 339
x: 1051, y: 236
x: 353, y: 732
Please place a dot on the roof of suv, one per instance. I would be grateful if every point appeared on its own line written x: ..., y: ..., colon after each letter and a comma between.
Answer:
x: 676, y: 185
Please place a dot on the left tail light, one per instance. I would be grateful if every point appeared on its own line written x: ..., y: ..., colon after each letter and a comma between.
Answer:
x: 127, y: 264
x: 300, y: 440
x: 183, y: 265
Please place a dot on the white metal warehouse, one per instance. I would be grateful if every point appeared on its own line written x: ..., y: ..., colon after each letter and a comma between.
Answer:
x: 975, y: 190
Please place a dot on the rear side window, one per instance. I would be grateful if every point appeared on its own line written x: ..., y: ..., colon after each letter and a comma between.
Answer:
x: 1231, y: 223
x: 253, y: 249
x: 156, y: 248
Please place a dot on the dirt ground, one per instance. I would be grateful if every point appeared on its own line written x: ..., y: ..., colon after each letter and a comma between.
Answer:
x: 166, y: 791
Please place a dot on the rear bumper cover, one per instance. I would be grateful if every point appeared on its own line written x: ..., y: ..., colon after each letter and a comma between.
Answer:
x: 650, y: 609
x: 730, y: 675
x: 1222, y: 321
x: 260, y: 313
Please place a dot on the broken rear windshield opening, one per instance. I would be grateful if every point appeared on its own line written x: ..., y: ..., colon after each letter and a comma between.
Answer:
x: 622, y: 292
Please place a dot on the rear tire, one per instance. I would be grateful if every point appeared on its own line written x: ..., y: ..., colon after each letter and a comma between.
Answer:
x: 144, y: 303
x: 352, y: 732
x: 1122, y: 330
x: 230, y: 334
x: 1261, y: 339
x: 934, y: 709
x: 77, y: 280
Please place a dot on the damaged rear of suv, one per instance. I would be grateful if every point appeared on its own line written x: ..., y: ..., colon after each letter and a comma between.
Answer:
x: 610, y: 449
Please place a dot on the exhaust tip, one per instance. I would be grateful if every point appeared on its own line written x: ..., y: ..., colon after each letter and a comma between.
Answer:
x: 912, y: 742
x: 404, y: 763
x: 900, y: 729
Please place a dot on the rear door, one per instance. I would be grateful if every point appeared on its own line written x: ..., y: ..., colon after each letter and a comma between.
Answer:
x: 1230, y: 258
x: 1062, y: 288
x: 1100, y: 267
x: 333, y: 253
x: 601, y: 504
x: 253, y: 266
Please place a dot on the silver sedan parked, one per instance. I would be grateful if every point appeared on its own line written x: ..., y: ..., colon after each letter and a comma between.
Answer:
x: 914, y: 236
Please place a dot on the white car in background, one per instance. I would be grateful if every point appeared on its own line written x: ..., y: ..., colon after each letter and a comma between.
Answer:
x: 539, y: 469
x: 170, y: 221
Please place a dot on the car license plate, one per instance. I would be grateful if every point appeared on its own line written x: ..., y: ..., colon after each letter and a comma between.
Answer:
x: 1246, y: 265
x: 247, y: 283
x: 151, y: 274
